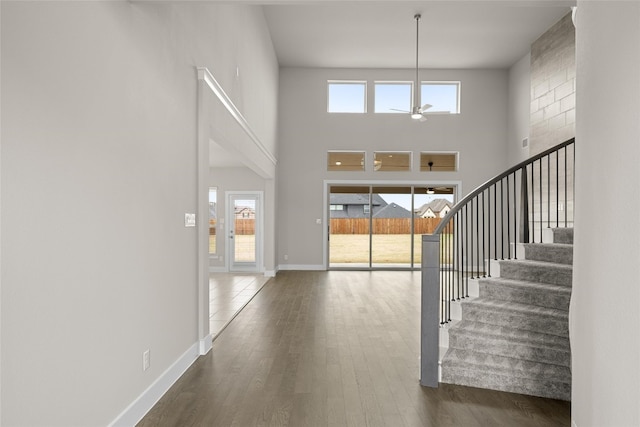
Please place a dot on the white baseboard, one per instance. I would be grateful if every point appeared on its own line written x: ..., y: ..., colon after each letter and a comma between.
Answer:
x: 270, y: 273
x: 143, y: 404
x: 205, y: 344
x: 309, y: 267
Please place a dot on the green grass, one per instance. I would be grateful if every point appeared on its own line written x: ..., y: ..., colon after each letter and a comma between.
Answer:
x: 386, y: 248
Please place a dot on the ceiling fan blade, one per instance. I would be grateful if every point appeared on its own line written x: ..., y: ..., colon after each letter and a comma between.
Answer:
x: 401, y: 111
x: 423, y: 119
x: 426, y: 107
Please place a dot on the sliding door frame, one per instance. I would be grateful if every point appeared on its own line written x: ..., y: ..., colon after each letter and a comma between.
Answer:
x: 327, y: 183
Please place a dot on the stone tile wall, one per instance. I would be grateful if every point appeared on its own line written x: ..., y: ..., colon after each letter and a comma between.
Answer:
x: 553, y: 86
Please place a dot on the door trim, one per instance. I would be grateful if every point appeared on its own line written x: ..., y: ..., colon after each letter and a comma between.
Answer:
x: 229, y: 213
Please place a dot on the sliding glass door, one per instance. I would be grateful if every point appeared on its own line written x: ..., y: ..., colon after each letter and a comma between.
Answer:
x: 391, y: 227
x: 380, y: 226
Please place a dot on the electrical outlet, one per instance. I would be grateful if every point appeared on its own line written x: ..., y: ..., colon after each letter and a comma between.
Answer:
x: 286, y: 257
x: 146, y: 360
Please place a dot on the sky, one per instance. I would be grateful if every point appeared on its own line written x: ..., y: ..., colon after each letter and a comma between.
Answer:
x: 350, y: 97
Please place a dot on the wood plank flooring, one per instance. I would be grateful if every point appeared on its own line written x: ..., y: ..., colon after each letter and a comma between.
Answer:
x: 337, y: 348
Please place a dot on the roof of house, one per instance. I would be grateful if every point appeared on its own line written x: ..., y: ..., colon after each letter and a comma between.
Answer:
x: 356, y: 199
x: 392, y: 210
x: 435, y: 205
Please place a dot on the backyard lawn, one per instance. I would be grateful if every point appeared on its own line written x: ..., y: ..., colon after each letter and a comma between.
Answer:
x: 387, y: 248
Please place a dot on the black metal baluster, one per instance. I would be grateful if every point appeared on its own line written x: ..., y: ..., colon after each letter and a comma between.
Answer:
x: 477, y: 238
x: 573, y: 178
x: 501, y: 219
x: 565, y: 186
x: 495, y: 222
x: 466, y: 233
x: 471, y: 246
x: 515, y: 218
x: 549, y: 191
x: 533, y: 205
x: 484, y: 269
x: 460, y: 252
x: 489, y: 231
x: 508, y: 222
x: 557, y: 189
x: 541, y: 219
x: 450, y: 254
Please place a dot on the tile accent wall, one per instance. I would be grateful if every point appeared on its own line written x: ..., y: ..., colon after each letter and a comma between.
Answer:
x: 553, y: 100
x: 553, y: 86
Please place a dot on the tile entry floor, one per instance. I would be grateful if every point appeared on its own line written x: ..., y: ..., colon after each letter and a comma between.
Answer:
x: 228, y: 294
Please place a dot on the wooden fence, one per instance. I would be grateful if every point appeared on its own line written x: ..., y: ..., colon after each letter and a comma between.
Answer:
x: 353, y: 226
x: 243, y: 226
x: 383, y: 225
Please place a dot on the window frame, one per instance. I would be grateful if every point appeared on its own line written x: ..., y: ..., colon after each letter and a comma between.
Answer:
x: 393, y: 83
x: 409, y: 166
x: 347, y: 82
x: 455, y: 154
x: 458, y: 85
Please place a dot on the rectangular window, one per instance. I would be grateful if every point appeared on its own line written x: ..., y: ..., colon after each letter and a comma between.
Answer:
x: 438, y: 162
x: 347, y: 97
x: 444, y: 97
x: 389, y: 161
x: 366, y: 209
x: 345, y: 161
x: 337, y: 207
x: 213, y: 216
x: 393, y: 97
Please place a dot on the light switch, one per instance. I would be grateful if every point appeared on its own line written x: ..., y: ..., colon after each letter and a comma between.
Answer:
x: 318, y: 221
x: 189, y: 220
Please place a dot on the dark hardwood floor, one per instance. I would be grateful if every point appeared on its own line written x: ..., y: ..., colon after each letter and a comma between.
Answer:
x: 336, y: 348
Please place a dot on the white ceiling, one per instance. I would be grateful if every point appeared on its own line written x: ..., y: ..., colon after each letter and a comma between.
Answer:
x: 382, y: 34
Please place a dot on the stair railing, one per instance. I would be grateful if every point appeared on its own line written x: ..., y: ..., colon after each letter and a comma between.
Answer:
x: 515, y: 206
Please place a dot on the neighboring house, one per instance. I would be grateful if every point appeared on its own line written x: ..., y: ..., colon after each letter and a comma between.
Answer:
x: 351, y: 205
x: 437, y: 208
x: 392, y: 210
x: 245, y: 212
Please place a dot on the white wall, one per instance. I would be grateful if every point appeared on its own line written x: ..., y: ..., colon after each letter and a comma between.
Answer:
x: 98, y: 168
x: 307, y: 131
x: 519, y: 106
x: 605, y: 305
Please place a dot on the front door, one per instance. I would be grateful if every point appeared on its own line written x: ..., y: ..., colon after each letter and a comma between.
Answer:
x: 244, y: 211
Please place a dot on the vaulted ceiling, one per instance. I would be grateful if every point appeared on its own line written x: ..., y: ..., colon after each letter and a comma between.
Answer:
x: 382, y: 34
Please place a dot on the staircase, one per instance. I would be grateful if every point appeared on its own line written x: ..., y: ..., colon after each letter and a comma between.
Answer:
x: 514, y: 336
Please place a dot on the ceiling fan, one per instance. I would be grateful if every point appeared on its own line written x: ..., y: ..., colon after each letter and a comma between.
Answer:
x: 417, y: 112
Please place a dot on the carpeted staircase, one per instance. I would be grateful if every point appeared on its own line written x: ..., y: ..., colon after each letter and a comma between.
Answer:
x: 515, y: 337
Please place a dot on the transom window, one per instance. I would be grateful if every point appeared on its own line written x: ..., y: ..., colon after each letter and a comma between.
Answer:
x: 345, y: 161
x: 444, y: 97
x: 347, y: 97
x: 393, y: 97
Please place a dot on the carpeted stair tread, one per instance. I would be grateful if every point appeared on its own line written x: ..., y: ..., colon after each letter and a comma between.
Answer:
x: 559, y: 253
x: 510, y: 342
x: 563, y: 235
x: 537, y: 271
x: 466, y: 367
x: 521, y: 316
x: 519, y: 368
x: 525, y: 292
x: 513, y: 334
